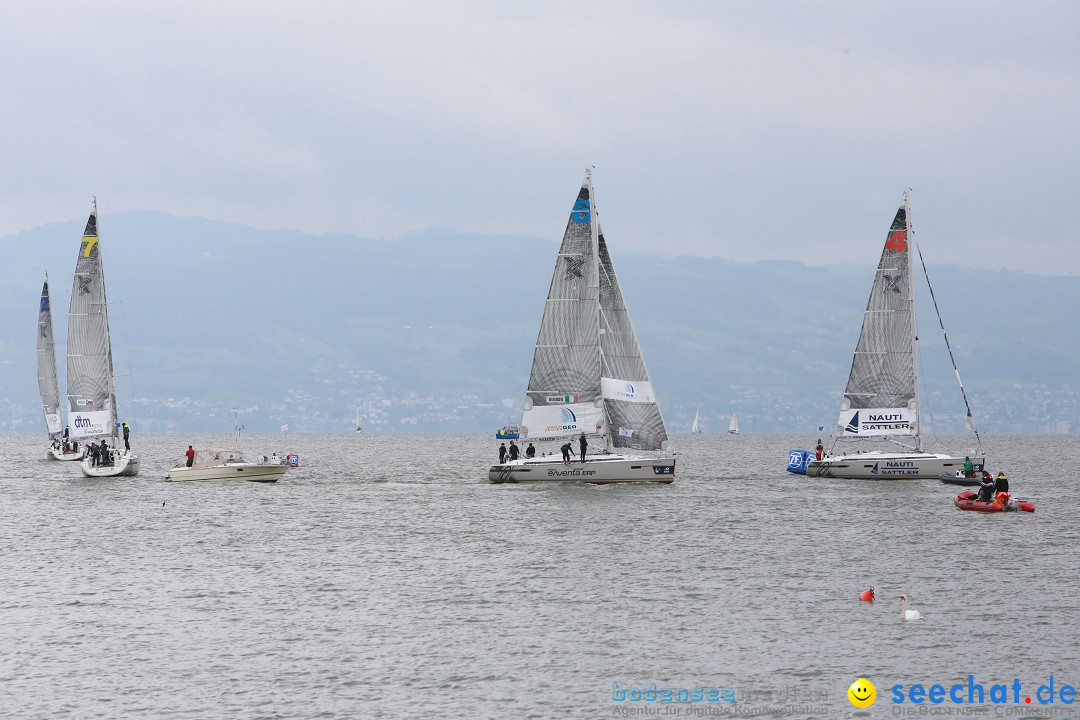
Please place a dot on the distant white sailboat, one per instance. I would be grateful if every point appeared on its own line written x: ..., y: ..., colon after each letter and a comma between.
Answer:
x: 733, y: 426
x: 90, y: 382
x: 696, y: 427
x: 881, y: 399
x: 588, y: 377
x: 59, y: 448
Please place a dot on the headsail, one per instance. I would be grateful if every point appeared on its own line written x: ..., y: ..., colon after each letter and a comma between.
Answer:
x: 881, y: 397
x: 633, y: 416
x: 587, y: 372
x: 46, y: 357
x: 91, y: 398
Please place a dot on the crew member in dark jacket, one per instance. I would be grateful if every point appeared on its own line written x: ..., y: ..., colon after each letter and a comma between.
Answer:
x: 530, y: 451
x: 127, y: 436
x: 566, y: 453
x: 502, y: 453
x: 584, y: 444
x: 1001, y: 484
x: 514, y: 450
x: 986, y: 489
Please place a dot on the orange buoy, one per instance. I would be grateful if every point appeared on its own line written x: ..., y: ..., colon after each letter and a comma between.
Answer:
x: 867, y: 595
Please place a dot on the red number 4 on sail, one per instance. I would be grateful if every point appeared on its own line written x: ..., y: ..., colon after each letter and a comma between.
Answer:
x: 897, y: 242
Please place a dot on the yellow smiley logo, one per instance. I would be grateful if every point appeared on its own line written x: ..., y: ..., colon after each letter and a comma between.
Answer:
x: 862, y: 693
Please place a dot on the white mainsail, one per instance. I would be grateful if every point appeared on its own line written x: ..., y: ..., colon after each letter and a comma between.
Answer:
x: 882, y: 394
x: 733, y: 426
x: 91, y: 395
x: 696, y: 428
x: 46, y: 357
x: 587, y: 373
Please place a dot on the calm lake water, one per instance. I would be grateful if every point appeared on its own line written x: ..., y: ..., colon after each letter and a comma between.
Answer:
x: 386, y: 578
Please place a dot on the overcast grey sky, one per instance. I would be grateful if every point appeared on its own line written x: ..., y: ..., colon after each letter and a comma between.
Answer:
x: 743, y: 130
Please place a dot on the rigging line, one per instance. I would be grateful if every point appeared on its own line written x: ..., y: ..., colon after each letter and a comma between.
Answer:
x: 131, y: 367
x: 967, y: 406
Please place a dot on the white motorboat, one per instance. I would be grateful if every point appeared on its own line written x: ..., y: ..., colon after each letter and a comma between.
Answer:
x: 588, y: 376
x: 217, y: 465
x: 91, y: 386
x: 881, y: 400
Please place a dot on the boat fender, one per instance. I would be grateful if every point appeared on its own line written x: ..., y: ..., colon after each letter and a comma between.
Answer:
x: 1026, y: 506
x: 867, y: 595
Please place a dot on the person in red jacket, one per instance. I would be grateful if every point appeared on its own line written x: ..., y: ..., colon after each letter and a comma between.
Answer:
x: 190, y: 455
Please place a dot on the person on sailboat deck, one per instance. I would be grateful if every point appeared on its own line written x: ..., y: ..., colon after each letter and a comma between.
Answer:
x: 566, y: 449
x: 1001, y: 484
x: 190, y: 455
x: 584, y: 444
x: 127, y: 435
x: 514, y: 450
x: 94, y: 454
x: 106, y: 457
x: 969, y: 470
x: 820, y: 450
x: 986, y: 489
x: 502, y: 453
x: 530, y: 452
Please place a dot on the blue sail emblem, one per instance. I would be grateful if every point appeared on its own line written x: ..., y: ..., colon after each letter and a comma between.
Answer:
x: 853, y: 424
x: 580, y: 213
x: 568, y: 415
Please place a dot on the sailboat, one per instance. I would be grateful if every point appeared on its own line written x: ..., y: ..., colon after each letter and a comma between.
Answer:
x: 882, y: 396
x: 47, y: 384
x: 90, y: 382
x: 696, y: 427
x: 588, y: 379
x: 733, y: 426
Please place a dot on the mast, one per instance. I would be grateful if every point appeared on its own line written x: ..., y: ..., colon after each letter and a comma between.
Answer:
x: 914, y: 329
x: 108, y: 339
x: 594, y: 283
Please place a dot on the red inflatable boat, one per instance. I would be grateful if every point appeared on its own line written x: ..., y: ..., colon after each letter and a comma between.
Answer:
x: 1002, y: 502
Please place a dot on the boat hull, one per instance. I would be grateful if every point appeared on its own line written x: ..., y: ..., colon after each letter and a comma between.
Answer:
x: 601, y: 469
x: 249, y: 472
x: 55, y: 454
x: 958, y: 478
x: 888, y: 466
x: 966, y: 500
x: 126, y: 464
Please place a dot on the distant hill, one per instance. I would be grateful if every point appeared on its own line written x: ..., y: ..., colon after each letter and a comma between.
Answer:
x: 434, y: 331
